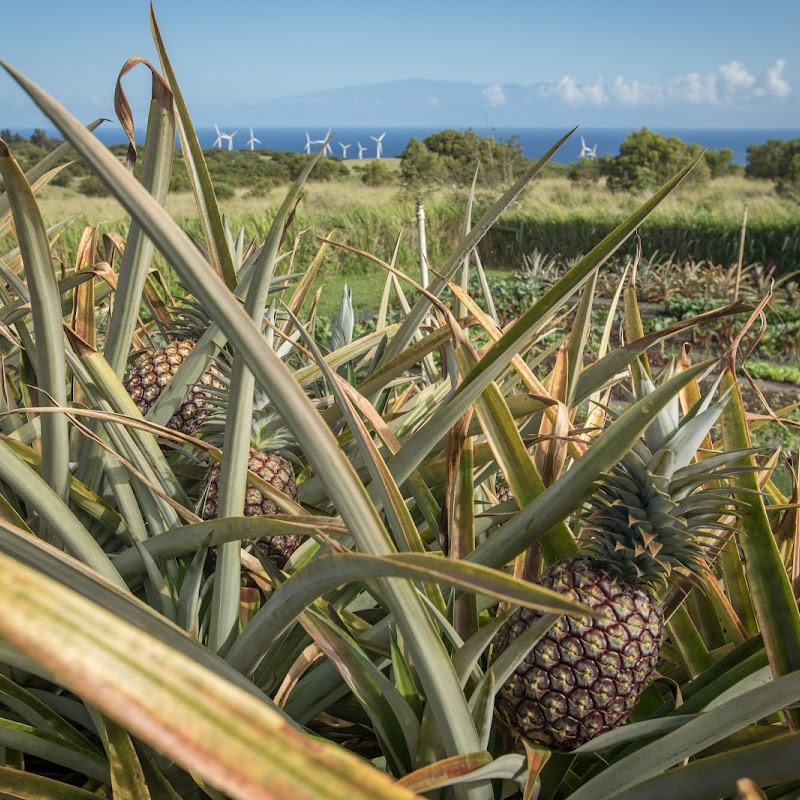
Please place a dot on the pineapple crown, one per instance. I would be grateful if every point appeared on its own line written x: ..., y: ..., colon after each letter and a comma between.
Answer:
x: 343, y: 324
x: 190, y: 321
x: 653, y: 512
x: 268, y: 432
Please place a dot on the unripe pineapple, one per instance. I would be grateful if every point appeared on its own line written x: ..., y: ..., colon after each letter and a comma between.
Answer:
x: 645, y: 519
x: 154, y: 369
x: 268, y: 436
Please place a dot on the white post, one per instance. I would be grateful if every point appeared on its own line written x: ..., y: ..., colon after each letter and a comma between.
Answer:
x: 423, y: 244
x: 741, y: 256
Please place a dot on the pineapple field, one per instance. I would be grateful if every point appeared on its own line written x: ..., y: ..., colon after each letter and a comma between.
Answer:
x: 461, y: 552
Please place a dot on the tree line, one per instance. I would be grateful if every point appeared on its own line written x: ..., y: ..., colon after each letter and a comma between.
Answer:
x: 646, y: 160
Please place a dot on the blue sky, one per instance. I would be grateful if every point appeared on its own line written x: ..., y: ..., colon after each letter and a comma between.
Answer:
x: 613, y: 63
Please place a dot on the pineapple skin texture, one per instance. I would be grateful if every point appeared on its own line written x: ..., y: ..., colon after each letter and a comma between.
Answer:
x: 152, y: 371
x: 278, y: 472
x: 585, y: 675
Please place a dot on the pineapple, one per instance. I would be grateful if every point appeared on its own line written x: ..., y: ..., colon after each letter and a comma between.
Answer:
x: 645, y: 520
x: 268, y: 436
x: 154, y: 369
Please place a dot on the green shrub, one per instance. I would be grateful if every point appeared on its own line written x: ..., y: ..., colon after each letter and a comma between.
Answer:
x: 92, y: 186
x: 262, y: 188
x: 453, y: 156
x: 224, y: 190
x: 646, y: 159
x: 376, y: 173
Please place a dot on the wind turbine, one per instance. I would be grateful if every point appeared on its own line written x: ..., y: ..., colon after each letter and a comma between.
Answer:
x: 327, y: 142
x: 309, y: 142
x: 218, y: 140
x: 361, y: 149
x: 344, y: 149
x: 252, y: 141
x: 586, y: 151
x: 378, y: 144
x: 229, y: 137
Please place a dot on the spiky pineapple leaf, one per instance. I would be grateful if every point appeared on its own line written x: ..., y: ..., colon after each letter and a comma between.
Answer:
x: 519, y: 335
x: 53, y: 748
x: 327, y: 572
x: 698, y: 734
x: 770, y: 588
x: 576, y: 485
x: 28, y: 786
x: 768, y: 764
x: 206, y: 724
x: 48, y: 357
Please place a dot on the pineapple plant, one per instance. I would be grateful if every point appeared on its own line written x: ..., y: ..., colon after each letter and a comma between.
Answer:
x: 269, y: 440
x: 642, y: 524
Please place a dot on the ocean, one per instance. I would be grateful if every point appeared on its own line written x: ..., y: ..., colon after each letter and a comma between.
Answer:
x: 535, y: 141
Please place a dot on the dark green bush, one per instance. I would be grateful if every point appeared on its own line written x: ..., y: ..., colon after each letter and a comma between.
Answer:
x: 376, y: 173
x: 224, y: 190
x: 92, y: 186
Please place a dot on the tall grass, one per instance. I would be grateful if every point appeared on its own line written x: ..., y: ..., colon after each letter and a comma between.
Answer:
x: 553, y: 216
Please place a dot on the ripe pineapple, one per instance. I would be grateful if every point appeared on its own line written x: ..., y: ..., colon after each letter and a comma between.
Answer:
x: 646, y: 518
x: 154, y: 369
x: 267, y: 438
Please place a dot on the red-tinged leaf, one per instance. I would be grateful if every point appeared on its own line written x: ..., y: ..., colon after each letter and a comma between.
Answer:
x: 440, y: 774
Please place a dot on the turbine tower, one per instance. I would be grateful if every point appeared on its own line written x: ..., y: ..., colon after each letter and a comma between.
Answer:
x: 344, y: 149
x: 378, y: 144
x: 361, y: 149
x: 252, y: 141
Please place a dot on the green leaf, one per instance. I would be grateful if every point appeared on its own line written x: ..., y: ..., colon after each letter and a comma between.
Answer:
x: 61, y: 521
x: 518, y: 336
x: 566, y: 495
x: 27, y: 786
x: 28, y: 739
x: 127, y: 778
x: 770, y: 587
x: 48, y: 358
x: 324, y: 573
x: 39, y: 714
x: 188, y: 539
x: 698, y: 734
x: 206, y: 724
x: 207, y: 206
x: 513, y: 458
x: 395, y: 723
x: 768, y: 764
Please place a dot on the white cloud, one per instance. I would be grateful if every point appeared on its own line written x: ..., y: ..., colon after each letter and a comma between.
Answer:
x: 774, y: 81
x: 494, y: 95
x: 734, y: 77
x: 694, y: 88
x: 728, y: 84
x: 575, y: 94
x: 434, y: 102
x: 633, y: 93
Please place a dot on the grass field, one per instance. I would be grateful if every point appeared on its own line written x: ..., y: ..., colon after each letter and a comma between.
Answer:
x: 372, y: 218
